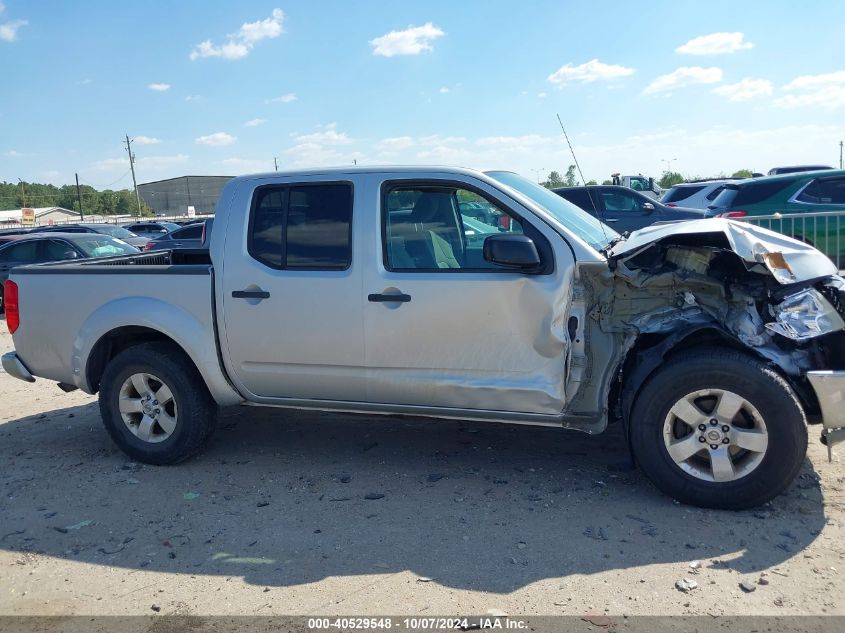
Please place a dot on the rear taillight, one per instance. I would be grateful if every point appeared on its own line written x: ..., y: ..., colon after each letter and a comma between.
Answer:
x: 733, y: 214
x: 148, y: 246
x: 10, y: 301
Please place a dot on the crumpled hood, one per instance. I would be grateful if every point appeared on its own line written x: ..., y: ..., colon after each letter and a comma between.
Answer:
x: 788, y: 260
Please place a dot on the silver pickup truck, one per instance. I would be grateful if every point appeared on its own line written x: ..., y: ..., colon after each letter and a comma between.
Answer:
x: 451, y: 293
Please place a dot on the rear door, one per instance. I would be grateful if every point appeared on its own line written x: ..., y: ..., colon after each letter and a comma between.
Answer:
x: 291, y: 292
x: 444, y: 327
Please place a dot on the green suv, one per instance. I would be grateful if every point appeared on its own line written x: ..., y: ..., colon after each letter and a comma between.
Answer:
x: 812, y: 204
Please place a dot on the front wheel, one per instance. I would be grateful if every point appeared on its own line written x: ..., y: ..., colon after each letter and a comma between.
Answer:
x: 155, y: 405
x: 718, y: 429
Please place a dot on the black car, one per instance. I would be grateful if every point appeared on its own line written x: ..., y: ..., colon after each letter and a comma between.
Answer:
x: 104, y: 229
x: 37, y: 248
x: 151, y: 229
x: 186, y: 237
x: 625, y: 209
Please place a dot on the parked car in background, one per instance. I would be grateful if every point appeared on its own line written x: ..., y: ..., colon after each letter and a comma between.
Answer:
x: 801, y: 192
x: 625, y: 209
x: 794, y: 169
x: 185, y: 237
x: 151, y: 229
x: 695, y: 195
x: 800, y: 197
x: 36, y: 248
x: 111, y: 230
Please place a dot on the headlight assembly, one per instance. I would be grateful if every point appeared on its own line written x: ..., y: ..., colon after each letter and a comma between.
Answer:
x: 805, y: 315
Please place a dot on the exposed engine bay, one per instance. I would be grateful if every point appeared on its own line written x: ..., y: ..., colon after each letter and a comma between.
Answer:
x: 735, y: 284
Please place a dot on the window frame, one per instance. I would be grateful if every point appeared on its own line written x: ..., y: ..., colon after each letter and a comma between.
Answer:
x: 800, y: 192
x: 541, y: 242
x: 286, y: 187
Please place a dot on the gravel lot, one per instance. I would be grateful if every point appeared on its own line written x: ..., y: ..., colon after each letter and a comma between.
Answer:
x: 301, y: 513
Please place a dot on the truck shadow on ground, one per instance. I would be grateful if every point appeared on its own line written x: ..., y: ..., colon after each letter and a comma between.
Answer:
x: 284, y: 499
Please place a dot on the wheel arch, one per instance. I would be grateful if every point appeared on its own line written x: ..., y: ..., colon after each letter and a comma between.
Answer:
x: 107, y: 332
x: 650, y: 351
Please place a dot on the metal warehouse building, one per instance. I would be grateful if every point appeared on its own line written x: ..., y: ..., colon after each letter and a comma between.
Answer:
x: 174, y: 195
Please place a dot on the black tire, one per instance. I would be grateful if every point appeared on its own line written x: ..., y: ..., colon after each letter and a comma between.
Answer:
x: 753, y: 381
x: 197, y: 411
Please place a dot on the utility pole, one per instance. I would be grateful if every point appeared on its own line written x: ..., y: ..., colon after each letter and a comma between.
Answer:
x: 23, y: 192
x: 132, y: 168
x: 840, y: 154
x: 668, y: 162
x: 79, y: 198
x: 537, y: 173
x: 276, y: 163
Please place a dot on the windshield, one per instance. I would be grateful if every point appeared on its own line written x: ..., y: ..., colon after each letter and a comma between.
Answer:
x: 104, y: 246
x: 581, y: 223
x: 115, y: 231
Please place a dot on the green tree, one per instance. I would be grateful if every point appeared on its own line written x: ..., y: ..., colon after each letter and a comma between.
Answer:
x: 742, y: 173
x: 670, y: 179
x: 592, y: 182
x: 554, y: 180
x: 569, y: 179
x: 607, y: 182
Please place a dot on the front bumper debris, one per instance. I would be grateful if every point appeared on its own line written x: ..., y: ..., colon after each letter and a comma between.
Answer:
x: 830, y: 390
x: 15, y: 368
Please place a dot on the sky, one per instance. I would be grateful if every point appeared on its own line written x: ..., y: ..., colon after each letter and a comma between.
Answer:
x: 222, y: 88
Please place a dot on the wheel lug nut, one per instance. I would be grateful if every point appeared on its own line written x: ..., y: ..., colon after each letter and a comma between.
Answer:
x: 726, y: 441
x: 714, y: 446
x: 714, y: 422
x: 702, y: 440
x: 702, y: 427
x: 725, y: 428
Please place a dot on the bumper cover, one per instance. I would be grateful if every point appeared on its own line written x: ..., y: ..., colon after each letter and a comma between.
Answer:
x: 15, y: 368
x: 830, y: 390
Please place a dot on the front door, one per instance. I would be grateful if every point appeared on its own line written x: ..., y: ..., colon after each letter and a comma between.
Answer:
x: 444, y: 327
x: 624, y: 211
x: 292, y: 295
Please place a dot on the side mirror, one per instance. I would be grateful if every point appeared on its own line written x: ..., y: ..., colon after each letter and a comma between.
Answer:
x: 651, y: 184
x: 511, y: 250
x: 648, y: 207
x: 70, y: 255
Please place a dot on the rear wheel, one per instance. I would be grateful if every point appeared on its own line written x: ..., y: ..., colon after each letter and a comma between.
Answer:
x: 155, y: 405
x: 718, y: 429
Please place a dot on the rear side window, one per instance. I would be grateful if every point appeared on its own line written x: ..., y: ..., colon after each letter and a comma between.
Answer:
x: 681, y: 193
x: 24, y: 252
x: 714, y: 194
x: 302, y: 226
x: 579, y: 197
x: 824, y: 191
x: 188, y: 233
x: 760, y: 192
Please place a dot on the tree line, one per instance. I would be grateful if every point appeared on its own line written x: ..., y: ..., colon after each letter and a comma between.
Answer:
x: 106, y: 202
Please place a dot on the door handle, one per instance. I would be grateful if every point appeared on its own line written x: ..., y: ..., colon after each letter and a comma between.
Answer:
x: 250, y: 294
x: 382, y: 298
x: 609, y: 220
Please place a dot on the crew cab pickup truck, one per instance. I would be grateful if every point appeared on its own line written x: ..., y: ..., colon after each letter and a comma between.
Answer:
x: 367, y: 290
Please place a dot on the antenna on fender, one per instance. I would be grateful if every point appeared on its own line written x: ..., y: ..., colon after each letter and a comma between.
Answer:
x: 586, y: 186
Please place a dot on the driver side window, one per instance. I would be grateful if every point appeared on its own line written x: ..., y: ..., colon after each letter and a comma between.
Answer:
x: 620, y: 201
x: 440, y: 228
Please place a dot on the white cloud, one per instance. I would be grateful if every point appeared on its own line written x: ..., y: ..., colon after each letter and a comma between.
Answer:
x: 85, y: 82
x: 13, y: 153
x: 541, y: 95
x: 588, y: 72
x: 812, y: 82
x: 684, y: 76
x: 412, y: 41
x: 288, y: 98
x: 194, y: 98
x: 9, y: 30
x: 745, y: 89
x: 826, y: 91
x: 159, y: 87
x: 394, y: 144
x: 146, y: 140
x: 239, y: 44
x: 255, y: 122
x: 829, y: 98
x: 218, y: 139
x: 715, y: 44
x: 444, y: 90
x: 328, y: 135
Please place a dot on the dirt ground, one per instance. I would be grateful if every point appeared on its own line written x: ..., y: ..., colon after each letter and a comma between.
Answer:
x: 302, y: 513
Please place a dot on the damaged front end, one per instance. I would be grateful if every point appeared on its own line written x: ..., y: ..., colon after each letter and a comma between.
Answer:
x: 714, y: 281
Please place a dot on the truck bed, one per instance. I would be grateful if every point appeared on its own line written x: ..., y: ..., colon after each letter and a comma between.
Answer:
x: 157, y: 259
